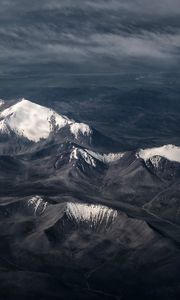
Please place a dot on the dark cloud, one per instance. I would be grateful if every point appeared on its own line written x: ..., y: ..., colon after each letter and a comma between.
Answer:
x: 92, y: 36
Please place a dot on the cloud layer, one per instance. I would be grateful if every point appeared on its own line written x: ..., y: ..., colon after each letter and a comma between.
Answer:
x: 89, y: 36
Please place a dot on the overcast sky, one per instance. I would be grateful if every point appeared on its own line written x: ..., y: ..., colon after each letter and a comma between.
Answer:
x: 79, y: 36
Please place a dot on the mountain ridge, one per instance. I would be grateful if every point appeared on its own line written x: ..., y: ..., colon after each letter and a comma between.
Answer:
x: 91, y: 218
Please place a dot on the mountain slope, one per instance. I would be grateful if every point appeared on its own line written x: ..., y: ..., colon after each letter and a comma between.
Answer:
x: 170, y: 152
x: 93, y: 251
x: 26, y: 125
x: 77, y: 221
x: 36, y: 122
x: 51, y: 152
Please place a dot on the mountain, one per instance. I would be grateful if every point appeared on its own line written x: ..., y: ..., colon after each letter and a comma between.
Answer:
x: 166, y: 204
x: 65, y: 167
x: 82, y: 221
x: 26, y: 125
x: 169, y: 152
x: 73, y: 247
x: 44, y: 150
x: 35, y: 122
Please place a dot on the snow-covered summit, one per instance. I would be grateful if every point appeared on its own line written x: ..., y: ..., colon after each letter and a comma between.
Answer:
x: 36, y: 122
x: 91, y: 214
x: 77, y: 153
x: 169, y: 152
x: 92, y: 158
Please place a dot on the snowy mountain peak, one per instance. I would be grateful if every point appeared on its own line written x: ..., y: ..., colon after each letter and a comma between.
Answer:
x: 80, y: 153
x: 93, y: 158
x: 36, y: 122
x: 169, y: 152
x: 93, y: 215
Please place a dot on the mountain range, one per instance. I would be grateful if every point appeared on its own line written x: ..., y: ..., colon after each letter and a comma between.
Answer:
x: 81, y: 217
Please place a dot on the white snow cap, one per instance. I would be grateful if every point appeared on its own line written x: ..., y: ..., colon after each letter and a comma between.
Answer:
x: 169, y: 152
x: 36, y: 122
x: 90, y: 213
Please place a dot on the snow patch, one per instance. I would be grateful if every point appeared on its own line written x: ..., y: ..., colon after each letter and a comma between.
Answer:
x: 155, y: 161
x: 88, y: 158
x: 74, y: 154
x: 38, y: 204
x: 3, y: 127
x: 169, y: 152
x: 80, y: 128
x: 106, y: 158
x: 78, y: 152
x: 93, y: 215
x: 91, y: 157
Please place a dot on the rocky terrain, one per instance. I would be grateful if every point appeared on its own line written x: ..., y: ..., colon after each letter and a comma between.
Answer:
x: 79, y: 220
